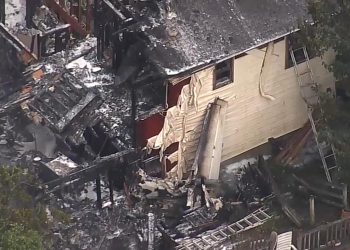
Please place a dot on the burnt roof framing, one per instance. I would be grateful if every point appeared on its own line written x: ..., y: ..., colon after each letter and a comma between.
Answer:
x: 60, y: 103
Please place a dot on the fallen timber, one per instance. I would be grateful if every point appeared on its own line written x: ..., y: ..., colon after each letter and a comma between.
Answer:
x: 329, y: 193
x: 289, y: 212
x: 98, y: 166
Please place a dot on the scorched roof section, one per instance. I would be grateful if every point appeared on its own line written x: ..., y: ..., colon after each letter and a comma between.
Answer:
x: 190, y: 33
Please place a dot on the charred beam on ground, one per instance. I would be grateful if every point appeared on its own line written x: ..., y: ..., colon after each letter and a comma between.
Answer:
x: 97, y: 167
x: 65, y: 106
x: 7, y: 107
x: 69, y: 96
x: 98, y: 191
x: 75, y: 25
x: 285, y: 207
x: 110, y: 184
x: 151, y: 222
x: 118, y: 13
x: 334, y: 196
x: 67, y: 119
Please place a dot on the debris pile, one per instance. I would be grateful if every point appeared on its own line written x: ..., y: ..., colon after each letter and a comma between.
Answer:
x: 69, y: 111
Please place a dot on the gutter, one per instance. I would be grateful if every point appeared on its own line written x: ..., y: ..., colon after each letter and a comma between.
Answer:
x: 212, y: 62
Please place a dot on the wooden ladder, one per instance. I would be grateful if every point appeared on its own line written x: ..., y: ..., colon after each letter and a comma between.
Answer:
x: 219, y: 235
x: 309, y: 92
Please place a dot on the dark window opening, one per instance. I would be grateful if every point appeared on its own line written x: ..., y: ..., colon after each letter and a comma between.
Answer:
x: 223, y: 73
x: 292, y: 43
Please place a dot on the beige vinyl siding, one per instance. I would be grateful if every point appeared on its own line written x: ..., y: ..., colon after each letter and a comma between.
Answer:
x: 251, y: 118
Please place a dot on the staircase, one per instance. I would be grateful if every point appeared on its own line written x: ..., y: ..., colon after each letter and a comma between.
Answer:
x: 309, y: 92
x: 219, y: 235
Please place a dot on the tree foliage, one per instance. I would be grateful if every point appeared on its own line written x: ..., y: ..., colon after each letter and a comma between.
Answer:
x: 24, y: 223
x: 19, y: 238
x: 330, y: 30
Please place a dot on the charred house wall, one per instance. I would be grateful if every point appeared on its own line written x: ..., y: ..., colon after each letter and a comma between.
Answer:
x: 10, y: 67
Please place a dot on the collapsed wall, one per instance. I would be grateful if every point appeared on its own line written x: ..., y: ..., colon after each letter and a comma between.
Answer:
x: 183, y: 125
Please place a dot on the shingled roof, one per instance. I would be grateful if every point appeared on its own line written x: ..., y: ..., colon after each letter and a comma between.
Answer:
x: 197, y: 32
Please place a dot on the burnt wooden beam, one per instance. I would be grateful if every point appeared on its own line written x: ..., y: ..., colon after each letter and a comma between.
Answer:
x: 64, y: 106
x: 317, y: 190
x: 53, y: 110
x: 336, y: 192
x: 151, y: 224
x: 99, y: 42
x: 37, y: 109
x: 98, y: 191
x: 117, y: 12
x: 97, y: 166
x: 115, y: 156
x: 133, y: 115
x: 288, y: 211
x: 39, y: 45
x: 8, y: 106
x: 32, y: 43
x: 63, y: 15
x: 60, y: 28
x: 60, y: 88
x: 67, y: 119
x: 322, y: 199
x: 110, y: 184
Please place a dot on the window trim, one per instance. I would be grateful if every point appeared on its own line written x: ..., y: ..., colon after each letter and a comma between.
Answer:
x: 289, y: 44
x: 218, y: 84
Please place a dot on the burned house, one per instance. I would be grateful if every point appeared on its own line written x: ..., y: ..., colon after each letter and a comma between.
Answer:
x: 252, y: 69
x: 191, y: 83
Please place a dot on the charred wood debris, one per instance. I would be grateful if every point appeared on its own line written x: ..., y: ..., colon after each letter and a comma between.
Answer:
x: 68, y: 110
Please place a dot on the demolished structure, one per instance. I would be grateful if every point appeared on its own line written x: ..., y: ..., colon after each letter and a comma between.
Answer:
x: 155, y: 98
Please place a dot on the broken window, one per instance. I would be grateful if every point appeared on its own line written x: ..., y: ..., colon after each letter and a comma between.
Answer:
x: 292, y: 43
x: 223, y: 73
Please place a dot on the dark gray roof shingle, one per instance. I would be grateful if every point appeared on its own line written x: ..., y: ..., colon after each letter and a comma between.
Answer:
x: 203, y: 31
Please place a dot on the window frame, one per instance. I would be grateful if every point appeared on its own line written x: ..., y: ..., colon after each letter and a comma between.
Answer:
x: 289, y: 43
x: 217, y: 83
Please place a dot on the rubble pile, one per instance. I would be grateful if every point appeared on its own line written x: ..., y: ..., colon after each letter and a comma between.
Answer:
x: 90, y: 228
x: 70, y: 114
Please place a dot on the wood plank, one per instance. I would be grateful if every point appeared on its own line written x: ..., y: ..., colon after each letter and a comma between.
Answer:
x: 210, y: 157
x: 67, y: 119
x: 317, y: 190
x: 64, y: 16
x: 285, y: 207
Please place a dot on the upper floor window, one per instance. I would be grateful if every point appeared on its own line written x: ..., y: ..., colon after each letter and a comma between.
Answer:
x: 223, y: 73
x: 292, y: 43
